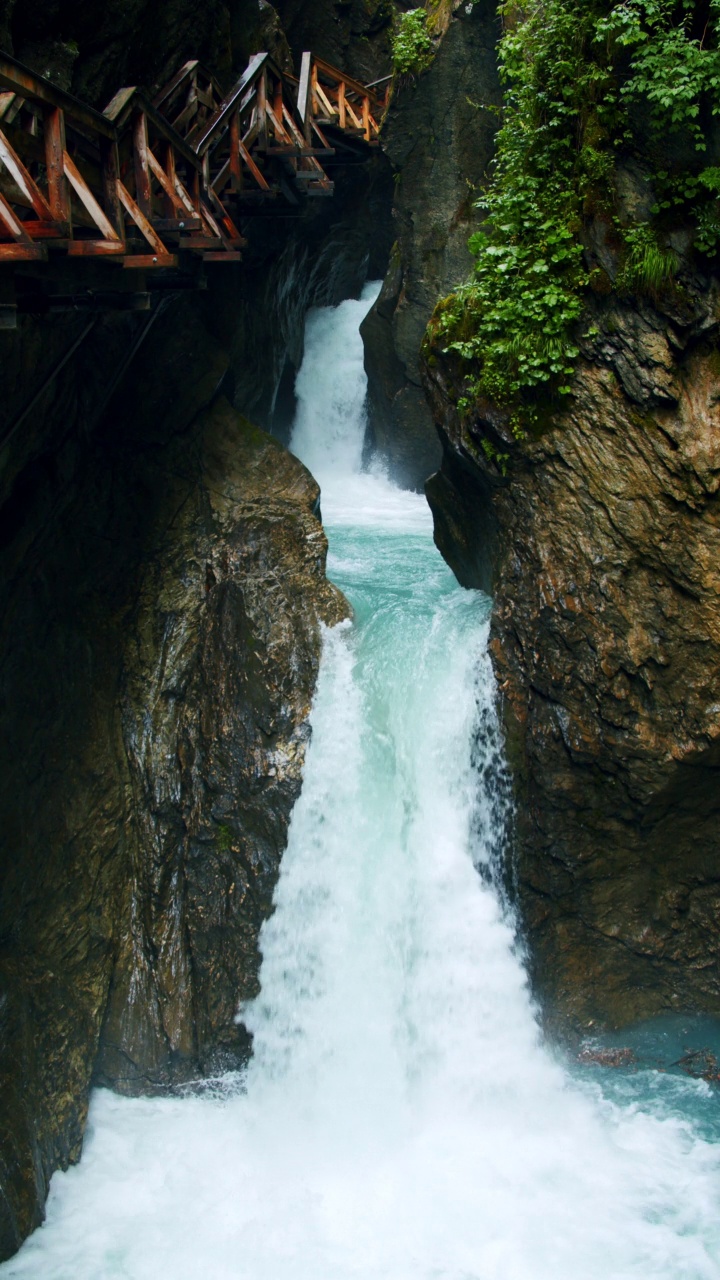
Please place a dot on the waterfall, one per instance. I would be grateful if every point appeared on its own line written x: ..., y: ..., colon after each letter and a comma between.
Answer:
x: 401, y: 1118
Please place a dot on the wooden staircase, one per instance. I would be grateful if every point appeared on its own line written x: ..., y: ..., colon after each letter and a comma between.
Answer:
x: 91, y: 202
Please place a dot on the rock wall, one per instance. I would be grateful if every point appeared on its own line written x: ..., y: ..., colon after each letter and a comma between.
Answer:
x: 438, y: 135
x: 163, y: 586
x: 598, y: 539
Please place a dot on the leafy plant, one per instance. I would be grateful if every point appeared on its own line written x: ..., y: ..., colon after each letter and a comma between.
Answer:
x: 575, y: 73
x: 412, y: 48
x: 647, y: 266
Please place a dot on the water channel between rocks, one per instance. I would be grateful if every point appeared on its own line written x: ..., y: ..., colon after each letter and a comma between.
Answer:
x: 400, y: 1119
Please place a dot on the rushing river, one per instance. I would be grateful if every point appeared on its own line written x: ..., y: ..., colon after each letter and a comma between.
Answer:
x: 401, y: 1118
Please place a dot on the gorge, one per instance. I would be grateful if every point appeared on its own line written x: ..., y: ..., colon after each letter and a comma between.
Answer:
x: 342, y: 1068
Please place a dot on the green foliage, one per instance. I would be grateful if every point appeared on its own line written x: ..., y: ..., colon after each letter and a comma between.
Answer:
x: 412, y: 48
x: 647, y: 266
x: 576, y: 73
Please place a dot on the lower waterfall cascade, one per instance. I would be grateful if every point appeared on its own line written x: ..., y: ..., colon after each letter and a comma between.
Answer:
x: 401, y: 1117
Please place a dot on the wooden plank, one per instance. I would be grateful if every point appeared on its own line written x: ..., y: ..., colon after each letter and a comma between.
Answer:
x: 58, y: 194
x: 12, y: 223
x: 110, y: 175
x: 235, y: 161
x: 341, y: 104
x: 324, y: 101
x: 140, y: 220
x: 222, y: 178
x: 218, y: 121
x: 180, y: 76
x: 171, y: 172
x: 117, y: 104
x: 177, y: 224
x: 21, y: 252
x: 145, y: 261
x: 366, y: 118
x: 143, y: 185
x: 47, y: 230
x: 323, y: 140
x: 262, y: 106
x: 95, y: 248
x: 164, y: 181
x: 24, y: 180
x: 355, y: 119
x: 351, y: 85
x: 303, y: 94
x: 86, y: 197
x: 6, y: 99
x: 188, y: 112
x: 281, y: 134
x: 261, y: 181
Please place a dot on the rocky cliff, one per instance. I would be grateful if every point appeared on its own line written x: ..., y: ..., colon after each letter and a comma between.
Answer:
x: 163, y: 589
x: 597, y: 535
x: 438, y: 136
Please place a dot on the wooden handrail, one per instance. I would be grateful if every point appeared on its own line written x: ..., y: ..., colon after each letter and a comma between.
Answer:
x: 257, y: 63
x: 339, y: 77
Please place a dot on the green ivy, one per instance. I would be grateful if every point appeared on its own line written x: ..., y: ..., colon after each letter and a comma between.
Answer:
x: 575, y: 75
x: 412, y: 48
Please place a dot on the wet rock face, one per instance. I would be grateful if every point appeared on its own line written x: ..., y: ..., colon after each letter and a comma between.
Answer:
x: 220, y: 665
x: 162, y: 591
x: 158, y: 739
x: 439, y: 138
x: 351, y: 34
x: 601, y: 547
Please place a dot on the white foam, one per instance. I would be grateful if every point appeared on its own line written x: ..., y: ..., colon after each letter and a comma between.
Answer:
x: 402, y: 1119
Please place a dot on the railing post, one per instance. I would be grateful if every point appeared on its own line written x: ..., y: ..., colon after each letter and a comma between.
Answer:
x: 58, y: 193
x: 366, y: 117
x: 111, y: 173
x: 169, y: 167
x: 262, y: 111
x: 303, y: 102
x: 236, y: 178
x: 143, y: 186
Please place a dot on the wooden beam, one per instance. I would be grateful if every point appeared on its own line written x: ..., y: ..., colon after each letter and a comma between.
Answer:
x: 110, y: 175
x: 257, y: 175
x: 58, y: 194
x: 165, y: 182
x: 324, y: 101
x: 303, y: 97
x: 86, y: 197
x: 218, y: 121
x: 140, y: 220
x: 235, y: 161
x: 24, y: 180
x: 180, y: 76
x: 12, y: 223
x: 351, y: 85
x: 262, y: 107
x: 145, y: 262
x: 143, y: 185
x: 95, y: 248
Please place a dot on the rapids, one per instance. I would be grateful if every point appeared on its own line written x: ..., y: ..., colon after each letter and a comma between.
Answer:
x: 401, y: 1118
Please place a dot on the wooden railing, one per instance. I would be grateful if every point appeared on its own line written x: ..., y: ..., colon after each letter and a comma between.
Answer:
x: 147, y: 181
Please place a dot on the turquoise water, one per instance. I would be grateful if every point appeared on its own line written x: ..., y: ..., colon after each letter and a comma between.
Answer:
x: 401, y: 1118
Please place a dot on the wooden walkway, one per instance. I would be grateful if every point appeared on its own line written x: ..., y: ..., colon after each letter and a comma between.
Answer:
x: 159, y: 184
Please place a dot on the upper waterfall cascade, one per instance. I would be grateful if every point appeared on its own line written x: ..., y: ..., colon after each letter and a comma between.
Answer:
x: 401, y: 1118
